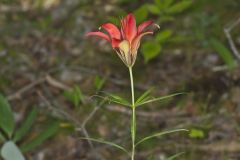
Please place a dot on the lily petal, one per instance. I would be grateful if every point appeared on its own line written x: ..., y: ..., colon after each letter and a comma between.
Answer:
x: 112, y: 30
x: 115, y: 43
x: 99, y: 34
x: 129, y: 28
x: 137, y: 40
x: 143, y: 25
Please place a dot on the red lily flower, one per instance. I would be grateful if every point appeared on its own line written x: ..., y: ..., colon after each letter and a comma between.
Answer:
x: 126, y: 40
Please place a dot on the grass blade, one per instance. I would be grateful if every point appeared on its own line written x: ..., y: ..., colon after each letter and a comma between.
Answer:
x: 48, y: 132
x: 175, y: 156
x: 160, y: 134
x: 7, y: 122
x: 75, y: 96
x: 99, y: 82
x: 158, y: 99
x: 108, y: 143
x: 26, y: 125
x: 2, y: 138
x: 224, y: 52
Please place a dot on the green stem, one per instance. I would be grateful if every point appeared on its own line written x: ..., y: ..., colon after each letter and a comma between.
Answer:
x: 133, y: 122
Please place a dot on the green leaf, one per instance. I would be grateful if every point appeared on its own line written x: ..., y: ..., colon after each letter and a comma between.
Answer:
x: 26, y: 125
x: 47, y: 133
x: 158, y: 99
x: 179, y: 7
x: 180, y: 39
x: 196, y: 133
x: 141, y: 13
x: 2, y: 138
x: 150, y: 50
x: 159, y: 135
x: 145, y: 96
x: 167, y: 3
x: 175, y: 156
x: 164, y: 35
x: 108, y: 143
x: 153, y: 9
x: 163, y: 4
x: 10, y: 151
x: 114, y: 19
x: 166, y: 18
x: 159, y: 3
x: 99, y: 82
x: 223, y: 52
x: 7, y: 123
x: 75, y: 96
x: 117, y: 99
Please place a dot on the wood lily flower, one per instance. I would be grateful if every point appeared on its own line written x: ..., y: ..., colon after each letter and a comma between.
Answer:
x: 126, y: 40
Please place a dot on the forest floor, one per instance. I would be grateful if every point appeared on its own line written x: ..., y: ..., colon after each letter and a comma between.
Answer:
x: 44, y: 55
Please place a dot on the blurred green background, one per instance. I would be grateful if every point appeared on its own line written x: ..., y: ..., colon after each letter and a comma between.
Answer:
x: 50, y: 72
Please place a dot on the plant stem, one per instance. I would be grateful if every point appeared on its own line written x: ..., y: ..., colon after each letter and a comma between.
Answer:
x: 133, y: 122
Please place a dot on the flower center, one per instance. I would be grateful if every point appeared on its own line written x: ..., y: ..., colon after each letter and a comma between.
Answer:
x: 124, y: 46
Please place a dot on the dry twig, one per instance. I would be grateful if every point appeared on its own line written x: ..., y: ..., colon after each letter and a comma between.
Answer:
x: 20, y: 92
x: 227, y: 31
x: 144, y: 114
x: 78, y: 126
x: 50, y: 80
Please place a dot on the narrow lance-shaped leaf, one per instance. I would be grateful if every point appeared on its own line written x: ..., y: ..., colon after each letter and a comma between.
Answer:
x: 7, y: 123
x: 158, y: 99
x: 108, y: 143
x: 160, y: 134
x: 144, y: 96
x: 114, y: 98
x: 26, y: 125
x: 78, y: 96
x: 223, y: 52
x: 175, y: 156
x: 48, y: 132
x: 118, y: 99
x: 2, y: 138
x: 99, y: 82
x: 75, y: 96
